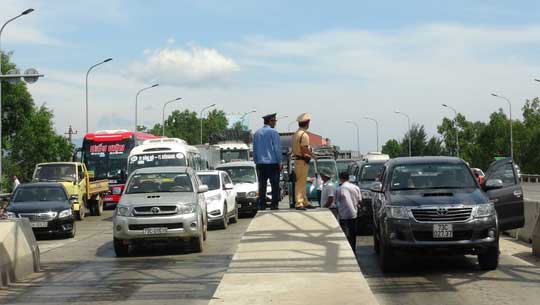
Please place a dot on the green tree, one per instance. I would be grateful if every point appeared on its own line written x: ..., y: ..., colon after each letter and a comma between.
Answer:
x: 392, y: 148
x: 28, y: 136
x: 215, y: 122
x: 239, y: 126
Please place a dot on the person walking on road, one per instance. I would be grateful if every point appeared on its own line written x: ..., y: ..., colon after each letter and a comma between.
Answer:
x: 328, y: 194
x: 16, y: 182
x: 267, y: 156
x: 349, y: 197
x: 302, y: 156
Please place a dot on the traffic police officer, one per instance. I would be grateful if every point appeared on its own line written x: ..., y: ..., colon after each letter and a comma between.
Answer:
x: 302, y: 156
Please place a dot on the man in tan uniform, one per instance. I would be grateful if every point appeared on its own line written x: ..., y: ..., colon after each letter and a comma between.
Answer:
x: 302, y: 154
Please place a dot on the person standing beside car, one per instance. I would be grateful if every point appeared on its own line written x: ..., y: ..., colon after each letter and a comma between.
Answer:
x: 302, y: 156
x: 267, y: 157
x: 328, y: 194
x: 349, y: 197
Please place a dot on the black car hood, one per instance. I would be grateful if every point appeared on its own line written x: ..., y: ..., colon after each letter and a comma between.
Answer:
x: 38, y: 206
x: 470, y: 196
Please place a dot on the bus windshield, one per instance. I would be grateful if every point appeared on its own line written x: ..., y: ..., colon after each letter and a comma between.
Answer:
x: 156, y: 159
x: 107, y: 160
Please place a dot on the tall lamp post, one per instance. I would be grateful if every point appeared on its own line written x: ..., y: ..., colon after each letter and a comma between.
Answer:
x: 86, y: 86
x: 26, y: 12
x: 137, y: 101
x: 377, y: 128
x: 163, y: 115
x: 409, y: 124
x: 242, y: 118
x: 357, y: 135
x: 457, y: 130
x: 511, y: 133
x: 201, y: 118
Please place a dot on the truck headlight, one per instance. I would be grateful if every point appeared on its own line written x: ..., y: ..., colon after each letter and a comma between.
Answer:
x: 116, y: 190
x: 366, y: 195
x: 484, y: 210
x: 123, y: 211
x: 65, y: 213
x: 397, y: 212
x: 214, y: 198
x: 187, y: 208
x: 252, y: 194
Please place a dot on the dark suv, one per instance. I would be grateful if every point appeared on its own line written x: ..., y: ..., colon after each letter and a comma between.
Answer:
x: 365, y: 175
x: 435, y: 205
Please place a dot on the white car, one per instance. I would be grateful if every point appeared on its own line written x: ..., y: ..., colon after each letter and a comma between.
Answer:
x: 246, y: 183
x: 220, y: 199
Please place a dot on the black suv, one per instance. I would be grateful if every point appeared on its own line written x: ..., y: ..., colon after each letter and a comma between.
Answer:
x: 46, y: 205
x: 365, y: 175
x: 435, y: 205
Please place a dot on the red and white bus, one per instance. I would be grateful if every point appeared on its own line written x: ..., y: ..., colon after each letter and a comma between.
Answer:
x: 105, y: 154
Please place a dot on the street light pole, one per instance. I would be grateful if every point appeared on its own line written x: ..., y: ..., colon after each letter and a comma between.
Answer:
x: 457, y: 130
x: 357, y: 136
x: 26, y: 12
x: 244, y: 116
x: 86, y: 86
x: 163, y: 115
x: 377, y: 128
x: 136, y: 101
x: 511, y: 133
x: 409, y: 124
x: 201, y: 118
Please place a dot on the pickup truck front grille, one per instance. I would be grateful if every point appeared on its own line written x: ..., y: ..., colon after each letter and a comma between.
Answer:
x: 241, y: 195
x: 442, y: 214
x: 170, y: 226
x: 38, y: 216
x: 158, y: 210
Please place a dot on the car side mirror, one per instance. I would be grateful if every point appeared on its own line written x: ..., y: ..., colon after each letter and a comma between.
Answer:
x: 493, y: 184
x: 74, y: 198
x: 203, y: 188
x: 376, y: 187
x: 229, y: 186
x: 352, y: 178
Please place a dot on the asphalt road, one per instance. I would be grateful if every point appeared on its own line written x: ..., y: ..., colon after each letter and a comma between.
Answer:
x: 455, y: 280
x: 84, y: 270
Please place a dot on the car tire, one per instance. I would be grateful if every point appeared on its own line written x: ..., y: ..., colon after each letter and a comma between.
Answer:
x: 71, y: 234
x: 489, y: 259
x: 225, y: 221
x: 376, y: 245
x: 235, y: 218
x: 99, y: 208
x: 196, y: 243
x: 120, y: 249
x: 387, y: 259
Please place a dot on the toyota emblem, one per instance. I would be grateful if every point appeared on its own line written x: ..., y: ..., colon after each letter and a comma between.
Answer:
x: 442, y: 211
x: 155, y: 210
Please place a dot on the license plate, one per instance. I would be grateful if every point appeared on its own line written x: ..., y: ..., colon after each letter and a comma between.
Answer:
x: 443, y: 231
x: 107, y: 199
x: 39, y: 224
x: 152, y: 231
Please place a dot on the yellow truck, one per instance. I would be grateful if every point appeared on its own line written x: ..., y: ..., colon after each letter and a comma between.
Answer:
x: 87, y: 195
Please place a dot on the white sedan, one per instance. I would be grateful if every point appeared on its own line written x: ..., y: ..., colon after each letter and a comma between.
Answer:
x: 220, y: 198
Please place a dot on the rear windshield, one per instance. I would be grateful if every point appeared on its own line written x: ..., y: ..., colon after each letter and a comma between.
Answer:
x: 155, y: 183
x: 27, y: 194
x: 211, y: 180
x: 431, y: 176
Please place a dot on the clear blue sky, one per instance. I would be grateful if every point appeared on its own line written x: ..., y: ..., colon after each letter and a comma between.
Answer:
x: 339, y: 60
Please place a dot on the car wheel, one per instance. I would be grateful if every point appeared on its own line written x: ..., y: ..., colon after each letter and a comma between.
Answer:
x: 225, y: 221
x: 235, y: 218
x: 99, y: 210
x: 489, y: 259
x: 71, y: 234
x: 376, y: 245
x: 386, y: 257
x: 120, y: 248
x: 197, y: 242
x: 81, y: 213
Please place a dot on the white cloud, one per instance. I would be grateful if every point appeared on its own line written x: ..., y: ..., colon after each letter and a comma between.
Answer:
x: 194, y: 67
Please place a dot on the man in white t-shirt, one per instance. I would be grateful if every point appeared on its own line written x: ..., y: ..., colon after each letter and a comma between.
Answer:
x: 328, y: 193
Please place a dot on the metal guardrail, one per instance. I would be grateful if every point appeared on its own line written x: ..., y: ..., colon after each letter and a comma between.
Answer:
x: 532, y: 178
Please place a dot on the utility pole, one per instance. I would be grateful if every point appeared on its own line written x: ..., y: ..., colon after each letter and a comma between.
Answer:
x: 70, y: 133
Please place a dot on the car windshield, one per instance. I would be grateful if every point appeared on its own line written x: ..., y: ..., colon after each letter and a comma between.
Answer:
x: 370, y: 172
x: 161, y: 182
x: 329, y: 165
x: 241, y: 174
x: 211, y: 180
x: 431, y: 176
x: 343, y: 166
x: 55, y: 172
x: 27, y: 194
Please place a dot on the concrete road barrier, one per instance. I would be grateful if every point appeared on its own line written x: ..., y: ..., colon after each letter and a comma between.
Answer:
x: 290, y: 257
x: 19, y: 252
x: 532, y: 213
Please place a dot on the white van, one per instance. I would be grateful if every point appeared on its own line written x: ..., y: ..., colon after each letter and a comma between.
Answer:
x: 375, y: 156
x: 165, y: 152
